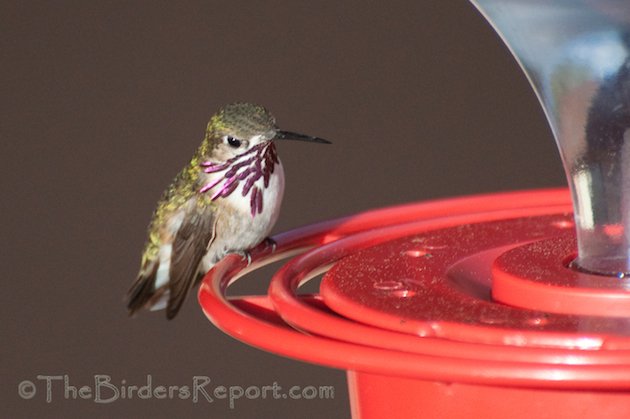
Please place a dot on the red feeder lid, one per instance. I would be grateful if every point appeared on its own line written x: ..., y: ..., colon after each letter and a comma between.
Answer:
x: 411, y: 293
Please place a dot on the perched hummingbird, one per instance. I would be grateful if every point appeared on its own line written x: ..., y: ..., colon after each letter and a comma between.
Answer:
x: 226, y: 200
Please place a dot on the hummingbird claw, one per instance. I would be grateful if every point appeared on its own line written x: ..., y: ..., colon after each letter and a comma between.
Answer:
x: 269, y: 242
x: 246, y: 256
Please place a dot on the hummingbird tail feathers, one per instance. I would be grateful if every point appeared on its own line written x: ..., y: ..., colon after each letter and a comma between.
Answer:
x: 142, y: 292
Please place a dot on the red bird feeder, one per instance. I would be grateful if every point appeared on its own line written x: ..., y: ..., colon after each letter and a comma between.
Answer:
x: 504, y: 305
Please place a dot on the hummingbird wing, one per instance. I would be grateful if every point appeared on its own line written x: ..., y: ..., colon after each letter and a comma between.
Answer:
x: 189, y: 247
x: 172, y: 257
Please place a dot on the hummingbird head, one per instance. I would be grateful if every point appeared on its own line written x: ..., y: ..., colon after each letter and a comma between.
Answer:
x: 239, y: 151
x: 237, y: 128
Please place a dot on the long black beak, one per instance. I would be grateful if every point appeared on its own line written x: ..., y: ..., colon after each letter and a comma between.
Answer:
x: 287, y: 135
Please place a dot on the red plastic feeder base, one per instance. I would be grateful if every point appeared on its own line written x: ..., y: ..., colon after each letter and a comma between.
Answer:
x: 457, y: 308
x: 378, y: 397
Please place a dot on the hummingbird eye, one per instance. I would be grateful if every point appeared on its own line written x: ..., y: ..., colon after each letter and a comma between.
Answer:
x: 233, y: 142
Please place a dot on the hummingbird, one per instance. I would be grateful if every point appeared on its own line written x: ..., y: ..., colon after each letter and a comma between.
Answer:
x: 226, y: 200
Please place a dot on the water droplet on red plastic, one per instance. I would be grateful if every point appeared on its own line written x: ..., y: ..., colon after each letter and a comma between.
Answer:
x: 490, y: 318
x: 563, y: 224
x: 403, y: 293
x: 416, y: 253
x: 388, y: 285
x: 435, y: 246
x: 537, y: 321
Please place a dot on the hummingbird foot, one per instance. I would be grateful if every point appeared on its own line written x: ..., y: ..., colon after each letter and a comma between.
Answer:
x: 246, y: 255
x: 269, y: 242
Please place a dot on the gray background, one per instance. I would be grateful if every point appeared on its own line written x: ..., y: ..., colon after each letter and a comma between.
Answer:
x: 103, y: 102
